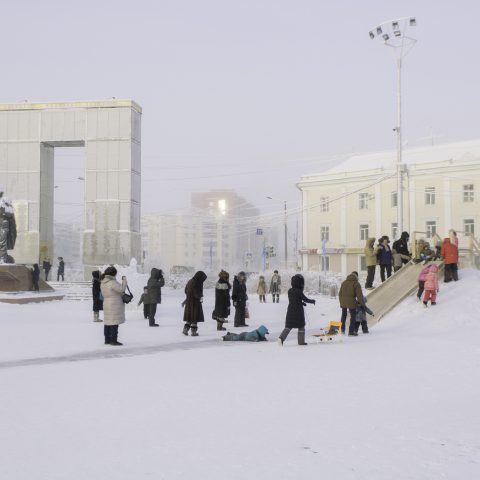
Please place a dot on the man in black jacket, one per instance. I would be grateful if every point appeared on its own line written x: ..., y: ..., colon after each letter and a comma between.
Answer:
x: 401, y: 246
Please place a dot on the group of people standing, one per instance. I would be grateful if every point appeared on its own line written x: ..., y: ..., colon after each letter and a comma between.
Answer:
x: 275, y: 288
x: 46, y: 266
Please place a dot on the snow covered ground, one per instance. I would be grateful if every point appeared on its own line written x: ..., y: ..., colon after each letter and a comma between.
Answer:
x: 400, y: 403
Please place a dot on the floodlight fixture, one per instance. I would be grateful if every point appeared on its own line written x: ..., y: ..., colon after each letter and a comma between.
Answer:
x: 395, y: 25
x: 379, y: 30
x: 386, y: 37
x: 397, y: 33
x: 372, y: 35
x: 413, y: 22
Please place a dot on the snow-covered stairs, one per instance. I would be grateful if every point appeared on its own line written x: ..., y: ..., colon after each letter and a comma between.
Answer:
x: 74, y: 290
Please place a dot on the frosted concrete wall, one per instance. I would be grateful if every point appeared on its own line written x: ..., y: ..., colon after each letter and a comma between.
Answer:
x: 111, y: 134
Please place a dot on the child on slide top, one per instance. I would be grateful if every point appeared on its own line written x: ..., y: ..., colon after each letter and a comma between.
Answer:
x: 431, y: 286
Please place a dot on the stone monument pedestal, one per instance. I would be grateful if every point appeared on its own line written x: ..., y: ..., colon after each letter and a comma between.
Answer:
x: 16, y: 286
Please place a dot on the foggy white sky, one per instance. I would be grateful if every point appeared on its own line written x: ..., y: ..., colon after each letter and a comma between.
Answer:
x: 245, y: 94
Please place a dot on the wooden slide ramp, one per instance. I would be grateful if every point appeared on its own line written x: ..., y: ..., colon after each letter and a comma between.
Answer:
x: 390, y: 293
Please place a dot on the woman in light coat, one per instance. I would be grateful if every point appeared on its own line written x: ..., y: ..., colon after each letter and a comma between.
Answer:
x: 113, y: 306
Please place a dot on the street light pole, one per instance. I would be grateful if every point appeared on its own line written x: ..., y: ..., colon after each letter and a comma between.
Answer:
x: 284, y: 228
x: 394, y: 36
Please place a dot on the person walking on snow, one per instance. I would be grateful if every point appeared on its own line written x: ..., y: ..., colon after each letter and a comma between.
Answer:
x: 113, y: 306
x: 275, y: 286
x: 61, y: 269
x: 262, y: 289
x: 239, y: 299
x: 431, y: 286
x: 295, y: 315
x: 222, y: 300
x: 97, y: 295
x: 146, y: 306
x: 351, y: 297
x: 154, y: 297
x: 193, y: 314
x: 371, y: 261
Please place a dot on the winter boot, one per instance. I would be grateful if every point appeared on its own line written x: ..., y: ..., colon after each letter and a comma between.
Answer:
x: 151, y: 323
x: 352, y: 334
x: 425, y: 304
x: 434, y: 303
x: 301, y: 337
x: 283, y: 336
x: 220, y: 327
x: 186, y: 328
x: 107, y: 333
x: 114, y: 337
x: 96, y: 317
x: 194, y: 332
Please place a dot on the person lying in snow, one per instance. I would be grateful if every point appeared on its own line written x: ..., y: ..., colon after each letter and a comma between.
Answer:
x: 257, y: 335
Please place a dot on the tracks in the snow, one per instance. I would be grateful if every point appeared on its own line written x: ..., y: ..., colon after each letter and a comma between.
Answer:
x: 109, y: 352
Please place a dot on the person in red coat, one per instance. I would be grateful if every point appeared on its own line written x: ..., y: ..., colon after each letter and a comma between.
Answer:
x: 449, y: 253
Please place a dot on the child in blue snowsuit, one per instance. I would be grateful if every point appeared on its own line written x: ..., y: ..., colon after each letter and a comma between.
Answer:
x: 257, y: 335
x: 361, y: 316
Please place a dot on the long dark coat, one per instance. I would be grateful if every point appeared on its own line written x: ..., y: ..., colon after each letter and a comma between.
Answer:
x: 96, y: 292
x: 239, y: 292
x: 193, y: 303
x: 154, y: 285
x: 295, y: 315
x: 222, y: 300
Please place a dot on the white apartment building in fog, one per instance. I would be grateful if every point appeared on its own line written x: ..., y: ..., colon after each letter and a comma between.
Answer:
x: 357, y: 199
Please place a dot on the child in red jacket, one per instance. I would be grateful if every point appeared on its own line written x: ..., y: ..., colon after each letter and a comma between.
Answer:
x: 431, y: 286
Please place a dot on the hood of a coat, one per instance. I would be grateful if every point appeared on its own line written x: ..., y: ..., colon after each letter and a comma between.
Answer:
x: 108, y: 278
x: 352, y: 278
x: 262, y: 330
x: 96, y: 274
x: 370, y: 242
x: 298, y: 281
x: 405, y: 236
x: 433, y: 268
x: 200, y: 276
x: 155, y: 273
x: 447, y: 240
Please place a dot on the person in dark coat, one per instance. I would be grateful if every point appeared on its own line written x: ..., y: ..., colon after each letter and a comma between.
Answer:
x: 222, y: 300
x: 47, y: 266
x: 35, y: 277
x: 61, y: 269
x: 350, y: 297
x: 295, y: 315
x: 154, y: 297
x: 401, y: 247
x: 193, y: 313
x: 239, y: 299
x: 146, y: 306
x: 97, y: 295
x: 257, y: 335
x: 385, y: 258
x: 361, y: 316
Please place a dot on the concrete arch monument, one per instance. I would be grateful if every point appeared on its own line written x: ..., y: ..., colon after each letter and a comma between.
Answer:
x: 110, y: 131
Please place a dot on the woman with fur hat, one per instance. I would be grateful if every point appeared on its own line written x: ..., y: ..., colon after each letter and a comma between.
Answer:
x: 222, y: 300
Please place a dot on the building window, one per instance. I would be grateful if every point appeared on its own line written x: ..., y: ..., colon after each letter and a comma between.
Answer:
x: 430, y: 196
x: 469, y: 226
x: 394, y: 199
x: 363, y: 263
x: 394, y: 230
x: 363, y: 232
x: 325, y: 233
x: 324, y: 204
x: 325, y: 263
x: 468, y: 193
x: 363, y: 201
x: 431, y: 228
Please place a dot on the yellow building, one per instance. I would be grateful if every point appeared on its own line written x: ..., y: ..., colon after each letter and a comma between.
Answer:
x: 357, y: 199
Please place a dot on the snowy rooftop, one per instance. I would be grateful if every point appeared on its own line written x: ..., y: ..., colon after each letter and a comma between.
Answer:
x: 458, y: 152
